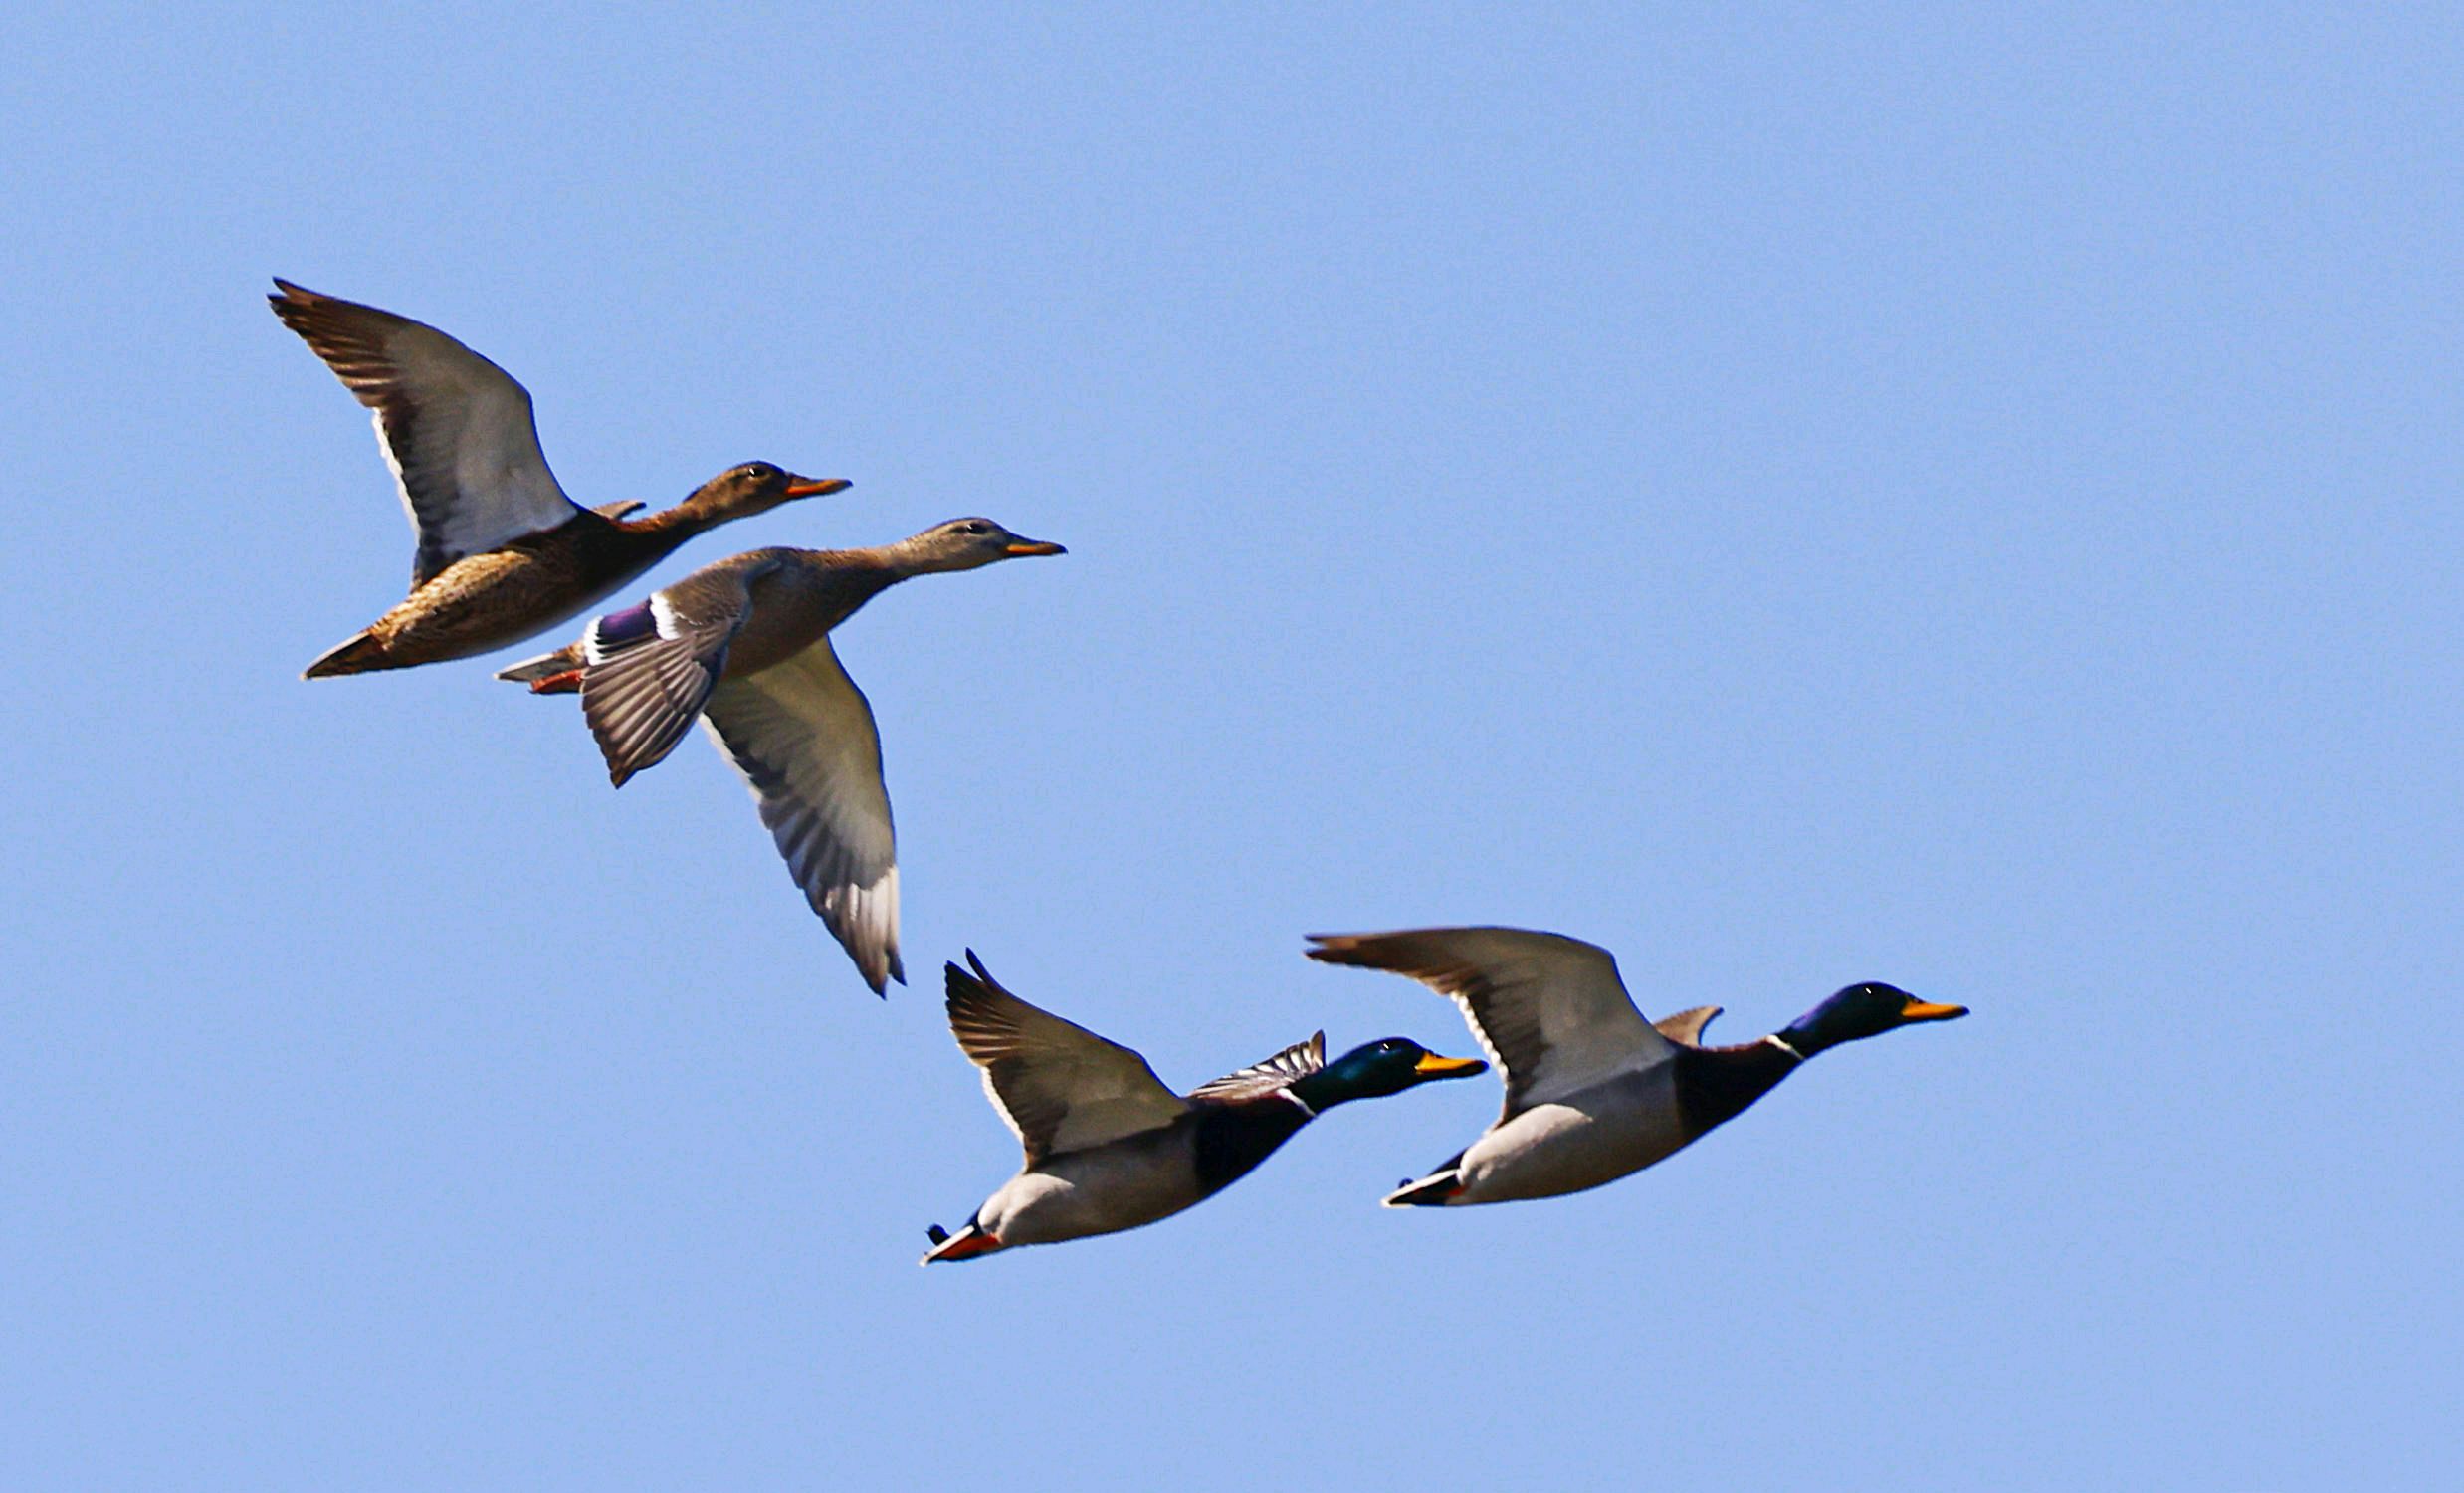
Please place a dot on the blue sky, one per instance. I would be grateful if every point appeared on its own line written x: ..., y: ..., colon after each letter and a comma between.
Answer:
x: 1962, y: 496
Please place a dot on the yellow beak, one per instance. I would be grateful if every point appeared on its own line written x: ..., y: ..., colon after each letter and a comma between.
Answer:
x: 1927, y: 1010
x: 1433, y: 1066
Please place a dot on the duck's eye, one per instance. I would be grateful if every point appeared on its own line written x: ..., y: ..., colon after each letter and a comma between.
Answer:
x: 974, y: 529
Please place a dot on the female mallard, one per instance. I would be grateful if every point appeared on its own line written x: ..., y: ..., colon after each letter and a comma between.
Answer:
x: 1593, y: 1089
x: 745, y: 644
x: 1108, y: 1147
x: 503, y: 553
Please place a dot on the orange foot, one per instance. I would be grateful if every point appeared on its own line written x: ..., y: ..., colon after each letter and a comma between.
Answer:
x: 965, y: 1245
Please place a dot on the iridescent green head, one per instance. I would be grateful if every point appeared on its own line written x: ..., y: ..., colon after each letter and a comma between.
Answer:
x: 1866, y: 1010
x: 1375, y: 1069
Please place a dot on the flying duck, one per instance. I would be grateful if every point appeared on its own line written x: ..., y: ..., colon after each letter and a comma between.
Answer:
x: 1108, y: 1147
x: 744, y: 644
x: 504, y: 554
x: 1593, y: 1089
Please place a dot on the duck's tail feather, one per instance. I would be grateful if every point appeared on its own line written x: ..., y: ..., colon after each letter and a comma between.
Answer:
x: 358, y: 656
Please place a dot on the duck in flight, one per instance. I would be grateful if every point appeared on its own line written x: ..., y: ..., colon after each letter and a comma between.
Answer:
x: 1108, y: 1147
x: 745, y: 645
x: 504, y: 554
x: 1593, y: 1089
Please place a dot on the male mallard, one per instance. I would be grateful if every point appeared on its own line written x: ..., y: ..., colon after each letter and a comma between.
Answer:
x: 1593, y: 1089
x: 745, y: 644
x: 1108, y: 1147
x: 503, y: 553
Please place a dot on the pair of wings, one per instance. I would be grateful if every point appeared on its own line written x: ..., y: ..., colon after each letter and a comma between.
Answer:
x: 1061, y: 1088
x: 456, y: 429
x: 801, y: 733
x: 458, y: 434
x: 1549, y: 1011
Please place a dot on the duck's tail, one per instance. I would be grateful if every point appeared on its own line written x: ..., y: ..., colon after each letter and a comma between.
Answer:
x: 1435, y: 1190
x: 545, y: 674
x: 966, y: 1244
x: 358, y: 656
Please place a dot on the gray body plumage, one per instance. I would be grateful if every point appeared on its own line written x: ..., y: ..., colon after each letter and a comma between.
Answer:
x: 1124, y: 1184
x: 1597, y: 1135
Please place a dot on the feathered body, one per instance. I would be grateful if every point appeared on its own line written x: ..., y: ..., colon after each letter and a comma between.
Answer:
x: 1142, y: 1178
x: 1108, y: 1147
x: 503, y: 553
x: 743, y: 646
x: 1593, y: 1092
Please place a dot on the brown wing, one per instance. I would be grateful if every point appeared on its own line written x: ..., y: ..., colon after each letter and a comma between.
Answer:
x: 1059, y: 1086
x: 1549, y: 1011
x: 454, y: 428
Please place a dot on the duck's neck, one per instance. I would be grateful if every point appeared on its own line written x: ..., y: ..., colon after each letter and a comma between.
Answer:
x: 919, y: 555
x: 1320, y: 1091
x: 696, y: 514
x: 1801, y: 1041
x: 848, y: 578
x: 885, y: 565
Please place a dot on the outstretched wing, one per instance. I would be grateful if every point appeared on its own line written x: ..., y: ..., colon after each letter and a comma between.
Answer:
x: 456, y: 429
x: 1277, y: 1073
x: 802, y: 736
x: 1059, y: 1086
x: 1549, y: 1011
x: 647, y: 670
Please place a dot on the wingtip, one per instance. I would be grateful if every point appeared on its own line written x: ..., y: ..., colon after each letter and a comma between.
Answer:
x: 1332, y: 948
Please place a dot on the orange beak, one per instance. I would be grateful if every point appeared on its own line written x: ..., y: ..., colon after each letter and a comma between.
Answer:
x: 815, y: 486
x: 1033, y: 546
x: 1927, y: 1010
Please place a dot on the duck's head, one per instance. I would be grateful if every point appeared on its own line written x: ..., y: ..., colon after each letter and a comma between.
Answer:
x: 967, y: 544
x: 757, y: 487
x: 1864, y: 1010
x: 1376, y: 1069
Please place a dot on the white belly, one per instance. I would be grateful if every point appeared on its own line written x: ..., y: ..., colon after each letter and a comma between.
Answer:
x: 1583, y: 1140
x: 1078, y: 1196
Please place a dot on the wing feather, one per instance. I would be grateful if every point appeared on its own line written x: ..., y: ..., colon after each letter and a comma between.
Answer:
x: 1271, y: 1076
x: 647, y: 670
x: 1058, y: 1086
x: 1549, y: 1011
x: 802, y: 737
x: 456, y: 430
